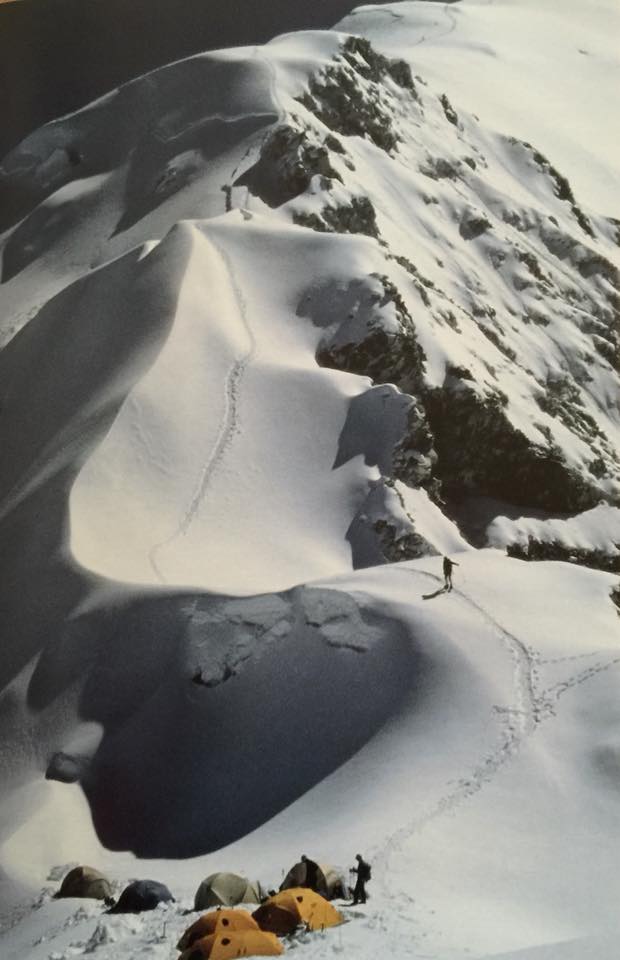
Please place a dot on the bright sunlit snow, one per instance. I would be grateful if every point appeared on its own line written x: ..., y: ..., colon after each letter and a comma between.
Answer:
x: 281, y: 327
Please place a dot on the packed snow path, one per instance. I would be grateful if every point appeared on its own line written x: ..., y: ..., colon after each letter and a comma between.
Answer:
x: 533, y: 704
x: 229, y: 423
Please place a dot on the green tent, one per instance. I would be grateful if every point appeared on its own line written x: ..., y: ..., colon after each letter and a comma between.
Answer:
x: 226, y: 890
x: 85, y: 882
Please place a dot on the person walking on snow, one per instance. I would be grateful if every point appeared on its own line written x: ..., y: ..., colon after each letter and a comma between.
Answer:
x: 363, y: 876
x: 447, y: 572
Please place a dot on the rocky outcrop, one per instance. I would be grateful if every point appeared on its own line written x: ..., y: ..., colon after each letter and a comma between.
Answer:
x: 480, y: 451
x: 553, y: 550
x: 290, y: 157
x: 357, y: 216
x: 383, y: 531
x: 353, y: 108
x: 388, y: 352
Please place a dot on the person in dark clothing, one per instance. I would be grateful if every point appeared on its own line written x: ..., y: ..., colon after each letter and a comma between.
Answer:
x: 363, y: 876
x: 312, y: 873
x: 447, y: 572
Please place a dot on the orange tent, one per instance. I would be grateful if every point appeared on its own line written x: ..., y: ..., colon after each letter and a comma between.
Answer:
x: 217, y: 921
x: 237, y: 943
x: 287, y: 909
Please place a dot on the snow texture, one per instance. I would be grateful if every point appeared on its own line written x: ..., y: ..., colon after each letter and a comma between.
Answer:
x: 280, y: 326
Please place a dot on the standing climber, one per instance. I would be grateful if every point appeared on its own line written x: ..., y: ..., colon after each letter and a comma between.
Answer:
x: 363, y: 876
x: 447, y: 572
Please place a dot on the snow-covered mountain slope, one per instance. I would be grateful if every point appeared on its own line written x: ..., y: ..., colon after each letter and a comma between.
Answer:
x: 271, y: 316
x: 525, y: 68
x: 487, y: 803
x: 486, y: 292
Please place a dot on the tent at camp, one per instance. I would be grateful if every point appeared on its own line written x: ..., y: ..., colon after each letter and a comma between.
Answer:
x: 237, y: 943
x: 85, y: 882
x: 329, y: 882
x: 282, y: 913
x: 142, y: 895
x: 226, y: 890
x: 217, y: 921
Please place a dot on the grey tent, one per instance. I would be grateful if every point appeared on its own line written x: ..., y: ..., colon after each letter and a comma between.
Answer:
x: 142, y: 895
x: 330, y: 882
x: 85, y: 882
x: 226, y: 890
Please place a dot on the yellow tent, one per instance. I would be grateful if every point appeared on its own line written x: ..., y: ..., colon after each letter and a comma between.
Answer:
x: 217, y: 921
x: 237, y: 943
x: 287, y: 909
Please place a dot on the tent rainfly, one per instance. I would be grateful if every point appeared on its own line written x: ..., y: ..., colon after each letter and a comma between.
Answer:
x: 217, y: 921
x: 142, y: 895
x: 85, y: 882
x: 237, y: 943
x: 330, y: 882
x: 226, y: 890
x: 288, y: 909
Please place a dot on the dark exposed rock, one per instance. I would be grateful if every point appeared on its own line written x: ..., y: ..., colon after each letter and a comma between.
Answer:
x: 338, y: 98
x: 615, y: 225
x: 473, y: 224
x: 404, y: 546
x: 562, y: 399
x: 384, y: 356
x: 552, y: 550
x: 339, y: 103
x: 497, y: 341
x: 378, y: 421
x: 377, y: 535
x: 449, y: 110
x: 561, y: 187
x: 440, y: 168
x: 288, y: 160
x: 413, y: 458
x: 420, y: 282
x: 532, y: 264
x: 359, y: 54
x: 358, y: 216
x: 480, y: 451
x: 366, y: 343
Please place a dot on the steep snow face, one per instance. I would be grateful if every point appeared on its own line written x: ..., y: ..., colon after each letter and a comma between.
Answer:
x: 510, y: 289
x: 480, y: 288
x: 543, y: 72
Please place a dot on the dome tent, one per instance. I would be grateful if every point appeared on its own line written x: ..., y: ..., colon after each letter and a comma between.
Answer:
x: 85, y: 882
x: 142, y: 895
x: 226, y: 890
x: 329, y: 882
x: 237, y: 943
x: 282, y: 913
x: 217, y: 921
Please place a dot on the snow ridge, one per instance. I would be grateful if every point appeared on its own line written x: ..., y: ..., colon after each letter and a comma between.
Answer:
x: 229, y: 425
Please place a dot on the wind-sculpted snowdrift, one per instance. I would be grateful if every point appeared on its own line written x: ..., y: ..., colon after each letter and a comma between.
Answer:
x: 257, y: 699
